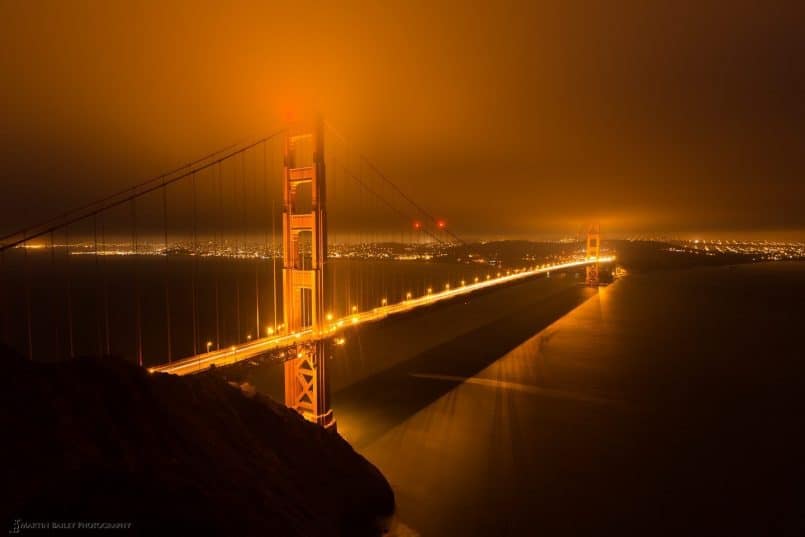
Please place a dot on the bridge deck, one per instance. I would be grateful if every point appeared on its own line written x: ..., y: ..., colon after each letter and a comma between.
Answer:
x: 258, y: 347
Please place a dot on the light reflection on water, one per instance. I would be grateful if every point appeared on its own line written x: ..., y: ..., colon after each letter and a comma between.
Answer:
x: 543, y: 437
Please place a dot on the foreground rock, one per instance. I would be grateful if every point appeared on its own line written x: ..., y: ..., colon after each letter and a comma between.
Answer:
x: 99, y: 439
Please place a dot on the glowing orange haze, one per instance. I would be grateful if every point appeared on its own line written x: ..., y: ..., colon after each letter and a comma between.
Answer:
x: 511, y: 119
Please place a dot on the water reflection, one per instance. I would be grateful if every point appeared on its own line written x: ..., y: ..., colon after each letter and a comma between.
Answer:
x: 634, y: 405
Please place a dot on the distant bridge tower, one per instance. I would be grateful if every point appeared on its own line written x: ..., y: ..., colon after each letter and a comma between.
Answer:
x: 304, y: 251
x: 593, y: 252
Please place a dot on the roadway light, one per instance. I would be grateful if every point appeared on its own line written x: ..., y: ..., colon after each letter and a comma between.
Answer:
x: 408, y: 295
x: 430, y: 290
x: 269, y: 330
x: 447, y: 286
x: 462, y: 282
x: 329, y: 316
x: 354, y: 308
x: 384, y: 302
x: 248, y: 337
x: 476, y: 279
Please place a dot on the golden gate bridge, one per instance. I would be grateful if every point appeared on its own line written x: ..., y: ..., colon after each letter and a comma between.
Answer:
x: 124, y: 274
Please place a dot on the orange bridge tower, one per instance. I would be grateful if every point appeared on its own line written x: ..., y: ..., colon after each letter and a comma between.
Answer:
x: 593, y: 253
x: 304, y: 252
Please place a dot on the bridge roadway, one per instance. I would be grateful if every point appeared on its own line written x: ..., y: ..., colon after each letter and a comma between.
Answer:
x: 258, y: 347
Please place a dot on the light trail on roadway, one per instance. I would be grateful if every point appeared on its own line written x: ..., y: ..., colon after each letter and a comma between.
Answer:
x: 258, y: 347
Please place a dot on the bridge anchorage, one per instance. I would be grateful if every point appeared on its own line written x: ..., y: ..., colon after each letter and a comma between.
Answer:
x: 304, y: 252
x: 593, y: 253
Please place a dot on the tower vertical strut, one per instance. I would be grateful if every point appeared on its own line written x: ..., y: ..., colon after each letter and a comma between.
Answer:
x: 593, y: 252
x: 304, y: 253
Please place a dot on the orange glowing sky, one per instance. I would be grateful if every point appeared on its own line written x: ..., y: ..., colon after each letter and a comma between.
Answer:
x: 509, y: 118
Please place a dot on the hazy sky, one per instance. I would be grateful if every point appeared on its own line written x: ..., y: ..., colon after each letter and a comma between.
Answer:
x: 508, y: 119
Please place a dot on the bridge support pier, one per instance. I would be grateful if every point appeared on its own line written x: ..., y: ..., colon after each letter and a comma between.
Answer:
x: 304, y: 251
x: 593, y: 252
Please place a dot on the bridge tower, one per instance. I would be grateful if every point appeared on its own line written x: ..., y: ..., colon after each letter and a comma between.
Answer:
x: 593, y: 252
x: 304, y: 252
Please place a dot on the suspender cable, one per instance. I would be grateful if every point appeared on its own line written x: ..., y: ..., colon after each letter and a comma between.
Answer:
x: 57, y: 324
x: 107, y: 330
x: 405, y: 217
x: 218, y: 246
x: 137, y: 305
x: 243, y: 204
x: 237, y: 304
x: 69, y: 292
x: 265, y: 211
x: 256, y: 269
x: 364, y: 241
x: 26, y: 277
x: 332, y: 266
x: 419, y: 208
x: 98, y: 330
x: 5, y: 330
x: 274, y: 262
x: 30, y: 233
x: 3, y: 302
x: 237, y: 252
x: 167, y: 272
x: 121, y: 198
x: 194, y: 270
